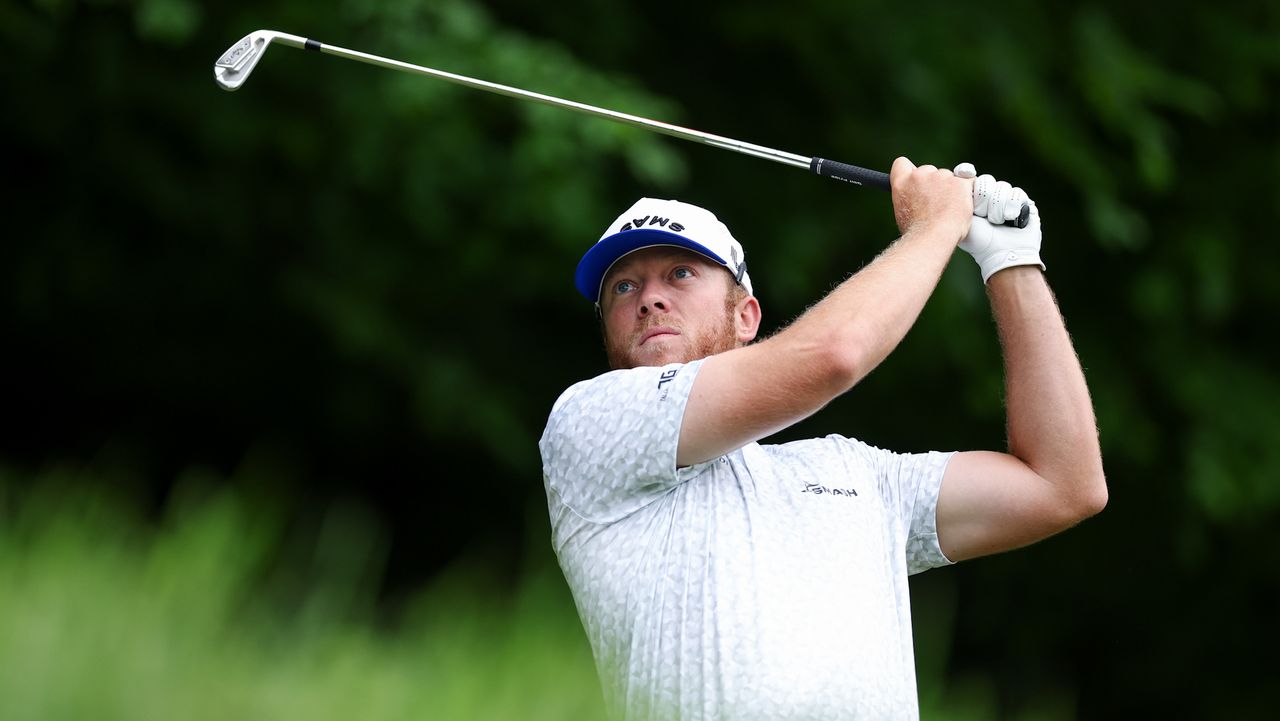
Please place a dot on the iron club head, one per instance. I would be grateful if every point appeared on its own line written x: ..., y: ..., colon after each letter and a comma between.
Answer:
x: 233, y: 68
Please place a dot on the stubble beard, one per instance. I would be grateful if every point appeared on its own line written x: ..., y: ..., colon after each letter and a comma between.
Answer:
x: 716, y: 339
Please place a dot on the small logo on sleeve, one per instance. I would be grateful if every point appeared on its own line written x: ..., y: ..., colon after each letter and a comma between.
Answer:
x: 818, y: 490
x: 666, y: 377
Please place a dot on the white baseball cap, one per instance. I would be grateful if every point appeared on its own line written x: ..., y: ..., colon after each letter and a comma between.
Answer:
x: 651, y: 222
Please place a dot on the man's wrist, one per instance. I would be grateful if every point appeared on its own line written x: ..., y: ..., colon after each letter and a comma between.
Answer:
x: 1014, y: 274
x: 943, y: 231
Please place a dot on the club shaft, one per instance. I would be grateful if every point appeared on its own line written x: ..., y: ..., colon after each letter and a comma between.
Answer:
x: 238, y: 61
x: 676, y: 131
x: 234, y: 66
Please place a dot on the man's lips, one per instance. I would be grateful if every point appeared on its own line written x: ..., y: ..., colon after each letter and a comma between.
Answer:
x: 657, y: 331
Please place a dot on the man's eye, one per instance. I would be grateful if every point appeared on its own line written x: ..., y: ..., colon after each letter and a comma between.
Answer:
x: 682, y: 272
x: 623, y: 286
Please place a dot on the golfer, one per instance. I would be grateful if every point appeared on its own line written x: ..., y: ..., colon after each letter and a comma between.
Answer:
x: 718, y: 578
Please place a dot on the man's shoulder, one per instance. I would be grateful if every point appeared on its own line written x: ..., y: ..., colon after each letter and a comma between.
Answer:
x: 587, y: 385
x: 620, y: 407
x: 610, y: 442
x: 624, y: 384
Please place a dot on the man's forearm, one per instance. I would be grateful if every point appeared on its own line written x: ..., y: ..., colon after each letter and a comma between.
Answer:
x: 1051, y: 423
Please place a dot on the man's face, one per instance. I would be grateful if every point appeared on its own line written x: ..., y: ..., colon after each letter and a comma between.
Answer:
x: 668, y: 305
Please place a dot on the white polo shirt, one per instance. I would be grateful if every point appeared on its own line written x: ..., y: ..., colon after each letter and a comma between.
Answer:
x: 770, y: 583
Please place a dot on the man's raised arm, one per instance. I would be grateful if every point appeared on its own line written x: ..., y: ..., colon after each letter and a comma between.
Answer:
x: 748, y: 393
x: 1052, y: 477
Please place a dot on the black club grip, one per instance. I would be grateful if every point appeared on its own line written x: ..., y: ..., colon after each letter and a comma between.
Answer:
x: 849, y: 173
x: 876, y: 179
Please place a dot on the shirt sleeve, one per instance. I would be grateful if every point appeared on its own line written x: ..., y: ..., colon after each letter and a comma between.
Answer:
x: 609, y: 447
x: 916, y: 479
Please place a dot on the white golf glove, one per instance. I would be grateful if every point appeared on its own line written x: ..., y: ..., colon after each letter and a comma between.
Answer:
x: 992, y: 243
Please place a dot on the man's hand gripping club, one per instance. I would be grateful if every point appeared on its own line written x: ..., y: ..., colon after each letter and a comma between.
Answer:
x: 993, y: 241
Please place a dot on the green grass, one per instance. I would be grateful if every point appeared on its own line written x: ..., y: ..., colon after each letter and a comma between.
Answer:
x: 104, y: 616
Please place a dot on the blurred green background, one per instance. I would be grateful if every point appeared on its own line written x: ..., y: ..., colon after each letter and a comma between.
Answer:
x: 275, y: 363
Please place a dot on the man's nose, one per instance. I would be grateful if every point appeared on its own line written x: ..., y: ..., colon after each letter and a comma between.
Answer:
x: 652, y: 300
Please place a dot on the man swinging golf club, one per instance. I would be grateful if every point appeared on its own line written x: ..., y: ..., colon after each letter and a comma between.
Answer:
x: 718, y: 578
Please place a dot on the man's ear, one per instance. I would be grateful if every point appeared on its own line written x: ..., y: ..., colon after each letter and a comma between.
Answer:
x: 746, y: 318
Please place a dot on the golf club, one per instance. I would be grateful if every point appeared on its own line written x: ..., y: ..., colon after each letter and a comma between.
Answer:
x: 233, y: 68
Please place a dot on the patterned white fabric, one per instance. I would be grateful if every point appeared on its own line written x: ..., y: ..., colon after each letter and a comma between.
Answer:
x: 770, y: 583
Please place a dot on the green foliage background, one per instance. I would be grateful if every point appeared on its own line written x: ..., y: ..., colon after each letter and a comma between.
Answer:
x: 345, y: 293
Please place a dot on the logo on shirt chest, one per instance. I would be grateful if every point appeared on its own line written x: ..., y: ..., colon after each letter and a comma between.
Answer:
x: 819, y: 490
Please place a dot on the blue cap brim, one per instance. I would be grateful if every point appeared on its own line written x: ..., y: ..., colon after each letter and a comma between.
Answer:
x: 603, y: 255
